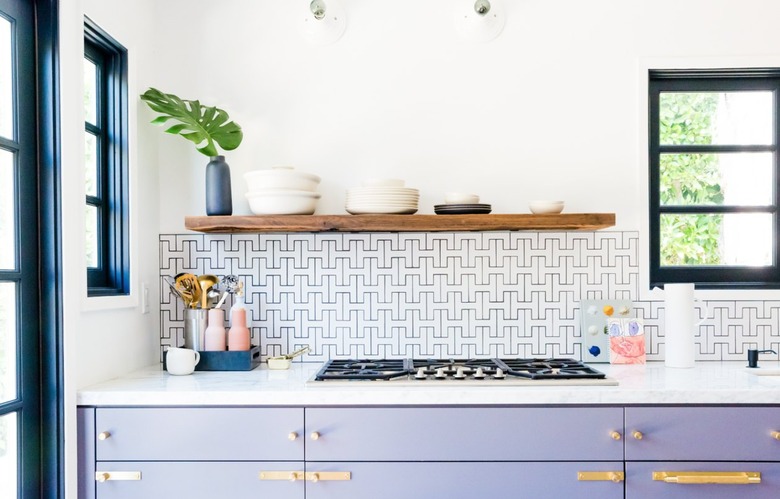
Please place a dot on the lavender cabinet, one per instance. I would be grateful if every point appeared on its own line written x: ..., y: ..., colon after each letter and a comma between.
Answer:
x: 712, y: 452
x: 191, y: 452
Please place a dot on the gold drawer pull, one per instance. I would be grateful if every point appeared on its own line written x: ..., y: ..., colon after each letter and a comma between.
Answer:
x: 104, y: 435
x: 601, y: 476
x: 328, y: 476
x: 699, y: 477
x: 615, y: 435
x: 775, y: 435
x: 290, y: 476
x: 105, y: 476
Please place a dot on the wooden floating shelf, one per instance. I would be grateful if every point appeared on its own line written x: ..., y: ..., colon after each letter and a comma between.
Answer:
x: 398, y: 223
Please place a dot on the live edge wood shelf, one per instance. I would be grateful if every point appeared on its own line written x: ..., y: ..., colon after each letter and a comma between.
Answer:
x: 399, y: 223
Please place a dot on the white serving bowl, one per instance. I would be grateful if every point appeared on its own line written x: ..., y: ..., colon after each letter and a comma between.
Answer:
x: 545, y: 207
x: 280, y: 177
x: 282, y: 202
x: 460, y: 198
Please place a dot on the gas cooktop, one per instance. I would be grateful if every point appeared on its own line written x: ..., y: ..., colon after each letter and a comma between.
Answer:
x: 509, y: 371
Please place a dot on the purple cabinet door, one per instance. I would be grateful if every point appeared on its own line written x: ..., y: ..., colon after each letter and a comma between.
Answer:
x: 199, y: 434
x: 702, y: 433
x: 463, y: 480
x: 640, y: 483
x: 201, y: 480
x: 464, y: 434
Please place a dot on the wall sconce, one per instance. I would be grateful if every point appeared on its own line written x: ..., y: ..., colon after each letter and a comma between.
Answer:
x: 323, y: 23
x: 480, y: 22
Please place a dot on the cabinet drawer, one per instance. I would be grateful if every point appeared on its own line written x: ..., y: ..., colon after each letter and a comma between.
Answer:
x: 458, y: 434
x: 202, y: 434
x: 702, y: 433
x: 459, y: 480
x: 196, y: 480
x: 640, y: 483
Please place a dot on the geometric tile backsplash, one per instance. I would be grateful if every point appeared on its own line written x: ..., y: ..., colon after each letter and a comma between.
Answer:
x: 440, y: 294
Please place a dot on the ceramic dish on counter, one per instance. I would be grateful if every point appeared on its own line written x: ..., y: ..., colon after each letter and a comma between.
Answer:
x: 462, y: 209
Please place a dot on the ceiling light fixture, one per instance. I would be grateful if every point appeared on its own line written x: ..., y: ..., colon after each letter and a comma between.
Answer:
x: 480, y: 22
x: 323, y: 24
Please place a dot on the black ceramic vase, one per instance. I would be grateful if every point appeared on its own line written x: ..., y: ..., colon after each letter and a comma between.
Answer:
x: 219, y: 200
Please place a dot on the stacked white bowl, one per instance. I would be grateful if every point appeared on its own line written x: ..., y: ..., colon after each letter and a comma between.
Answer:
x: 282, y: 191
x: 382, y: 196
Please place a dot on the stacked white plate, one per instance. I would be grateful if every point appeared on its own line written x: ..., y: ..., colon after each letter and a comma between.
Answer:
x: 387, y: 196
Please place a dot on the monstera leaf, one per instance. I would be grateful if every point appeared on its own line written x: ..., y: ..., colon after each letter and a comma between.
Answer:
x: 199, y: 124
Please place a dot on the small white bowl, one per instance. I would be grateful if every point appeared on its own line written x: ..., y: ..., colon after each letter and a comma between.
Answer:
x: 280, y: 177
x: 460, y: 198
x: 282, y: 202
x: 545, y: 207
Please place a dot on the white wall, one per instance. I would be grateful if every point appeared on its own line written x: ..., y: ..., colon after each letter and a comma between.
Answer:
x: 550, y: 109
x: 106, y: 337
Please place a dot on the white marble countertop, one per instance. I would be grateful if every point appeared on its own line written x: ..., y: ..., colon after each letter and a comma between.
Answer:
x: 706, y: 383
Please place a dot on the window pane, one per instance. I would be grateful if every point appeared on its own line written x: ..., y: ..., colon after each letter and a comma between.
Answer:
x: 7, y: 215
x: 6, y: 81
x: 7, y: 342
x: 90, y: 164
x: 9, y: 456
x: 733, y: 118
x: 90, y: 92
x: 92, y: 237
x: 716, y: 179
x: 715, y: 239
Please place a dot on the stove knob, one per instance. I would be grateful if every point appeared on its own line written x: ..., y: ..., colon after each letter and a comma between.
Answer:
x: 480, y: 374
x: 421, y: 373
x: 440, y: 373
x: 499, y: 373
x: 460, y: 374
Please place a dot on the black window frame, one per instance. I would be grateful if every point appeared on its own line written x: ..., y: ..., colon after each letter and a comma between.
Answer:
x: 112, y: 276
x: 711, y: 80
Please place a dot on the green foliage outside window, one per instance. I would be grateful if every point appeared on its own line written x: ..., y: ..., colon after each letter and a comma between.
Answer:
x: 689, y: 179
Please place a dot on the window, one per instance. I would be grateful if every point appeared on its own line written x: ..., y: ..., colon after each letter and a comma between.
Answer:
x: 713, y: 178
x: 105, y: 163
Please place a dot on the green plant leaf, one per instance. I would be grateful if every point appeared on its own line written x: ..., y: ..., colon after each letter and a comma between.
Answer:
x: 203, y: 126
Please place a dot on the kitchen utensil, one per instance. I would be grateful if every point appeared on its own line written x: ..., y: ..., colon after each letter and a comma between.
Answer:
x: 229, y: 283
x: 188, y: 286
x: 195, y: 324
x: 215, y: 335
x: 462, y: 209
x: 284, y: 361
x: 545, y: 207
x: 206, y: 281
x: 222, y: 300
x: 281, y: 177
x: 282, y: 202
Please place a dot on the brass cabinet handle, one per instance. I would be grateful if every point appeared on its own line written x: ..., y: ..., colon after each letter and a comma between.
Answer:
x: 290, y: 476
x: 616, y: 435
x: 105, y: 476
x: 775, y: 435
x: 292, y: 436
x: 331, y: 476
x: 309, y: 477
x: 701, y: 477
x: 601, y: 476
x: 315, y: 435
x: 104, y: 435
x: 637, y: 435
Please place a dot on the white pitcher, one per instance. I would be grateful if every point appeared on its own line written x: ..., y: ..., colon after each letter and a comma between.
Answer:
x: 680, y: 325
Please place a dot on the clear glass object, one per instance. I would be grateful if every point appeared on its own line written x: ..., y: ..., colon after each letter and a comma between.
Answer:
x: 90, y: 164
x: 91, y: 228
x: 7, y: 211
x: 737, y: 179
x: 9, y: 456
x: 8, y: 328
x: 6, y: 81
x: 716, y: 118
x: 732, y: 239
x: 90, y: 92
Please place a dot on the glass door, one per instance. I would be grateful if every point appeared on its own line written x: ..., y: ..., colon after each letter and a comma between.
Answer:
x: 19, y: 295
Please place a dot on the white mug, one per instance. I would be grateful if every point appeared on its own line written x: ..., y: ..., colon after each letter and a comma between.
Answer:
x: 180, y: 361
